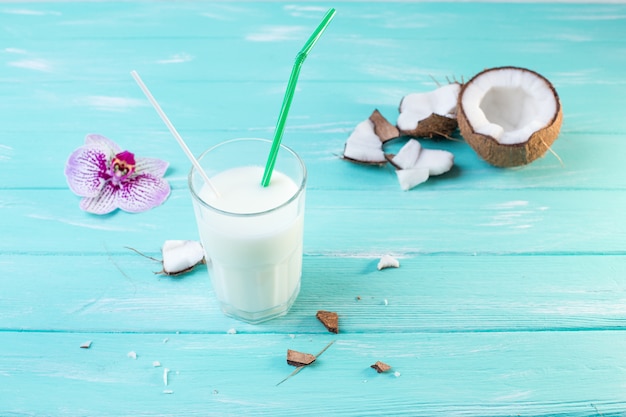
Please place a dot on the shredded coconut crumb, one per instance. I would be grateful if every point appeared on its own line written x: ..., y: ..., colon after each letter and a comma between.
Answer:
x: 388, y: 261
x: 86, y: 345
x: 132, y: 354
x: 156, y: 364
x: 232, y: 331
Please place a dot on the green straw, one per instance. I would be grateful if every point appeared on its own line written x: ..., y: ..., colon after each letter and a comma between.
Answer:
x: 291, y: 88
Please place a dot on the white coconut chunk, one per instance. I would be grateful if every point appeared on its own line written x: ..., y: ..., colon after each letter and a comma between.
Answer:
x: 86, y: 345
x: 181, y: 255
x: 509, y: 105
x: 409, y: 178
x: 388, y: 261
x: 418, y: 106
x: 436, y: 161
x: 364, y: 145
x: 407, y: 155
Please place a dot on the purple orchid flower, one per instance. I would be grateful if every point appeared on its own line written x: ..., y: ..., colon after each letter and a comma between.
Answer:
x: 109, y: 178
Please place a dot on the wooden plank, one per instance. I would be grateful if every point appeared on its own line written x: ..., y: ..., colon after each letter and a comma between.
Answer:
x: 472, y: 374
x: 119, y: 292
x: 69, y: 20
x: 345, y: 222
x: 588, y: 161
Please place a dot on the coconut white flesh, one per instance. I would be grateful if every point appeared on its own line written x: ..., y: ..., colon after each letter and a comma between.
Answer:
x: 388, y: 261
x: 418, y: 106
x: 412, y: 155
x: 408, y: 155
x: 436, y: 161
x: 508, y: 104
x: 364, y: 145
x: 409, y: 178
x: 180, y: 255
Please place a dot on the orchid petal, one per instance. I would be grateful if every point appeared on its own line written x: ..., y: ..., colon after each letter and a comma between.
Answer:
x: 103, y: 142
x: 142, y: 193
x: 103, y: 203
x: 86, y: 170
x: 153, y: 166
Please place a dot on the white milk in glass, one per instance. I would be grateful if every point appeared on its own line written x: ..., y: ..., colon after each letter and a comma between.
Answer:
x: 253, y: 241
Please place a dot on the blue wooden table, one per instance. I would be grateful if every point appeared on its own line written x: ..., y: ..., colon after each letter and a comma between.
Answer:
x: 510, y: 298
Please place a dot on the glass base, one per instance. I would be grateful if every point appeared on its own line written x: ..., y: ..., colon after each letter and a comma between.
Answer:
x: 257, y: 317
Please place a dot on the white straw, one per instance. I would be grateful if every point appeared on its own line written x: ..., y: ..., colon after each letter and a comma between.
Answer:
x: 172, y: 129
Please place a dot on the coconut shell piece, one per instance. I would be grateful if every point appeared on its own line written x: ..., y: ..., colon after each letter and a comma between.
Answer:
x: 432, y: 127
x: 516, y: 154
x: 430, y: 114
x: 383, y: 129
x: 329, y: 319
x: 363, y: 146
x: 295, y: 358
x: 381, y: 367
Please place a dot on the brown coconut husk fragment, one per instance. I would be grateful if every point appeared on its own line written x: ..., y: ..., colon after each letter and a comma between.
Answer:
x: 381, y: 367
x: 383, y: 129
x: 295, y: 358
x: 434, y: 126
x: 329, y: 319
x: 367, y: 163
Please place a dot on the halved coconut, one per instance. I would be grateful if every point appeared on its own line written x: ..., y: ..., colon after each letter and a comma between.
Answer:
x: 510, y: 116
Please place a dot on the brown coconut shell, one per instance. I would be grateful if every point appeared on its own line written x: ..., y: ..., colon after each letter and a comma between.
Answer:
x: 432, y: 127
x: 383, y: 129
x: 503, y: 155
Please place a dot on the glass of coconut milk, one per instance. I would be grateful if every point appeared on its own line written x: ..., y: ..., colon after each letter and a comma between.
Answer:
x: 252, y: 235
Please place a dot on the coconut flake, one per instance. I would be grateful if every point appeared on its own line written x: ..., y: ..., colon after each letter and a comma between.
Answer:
x: 418, y: 106
x: 181, y: 255
x: 388, y: 261
x: 132, y: 354
x: 363, y: 145
x: 166, y: 372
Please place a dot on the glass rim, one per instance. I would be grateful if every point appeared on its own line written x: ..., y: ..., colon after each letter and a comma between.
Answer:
x: 284, y: 148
